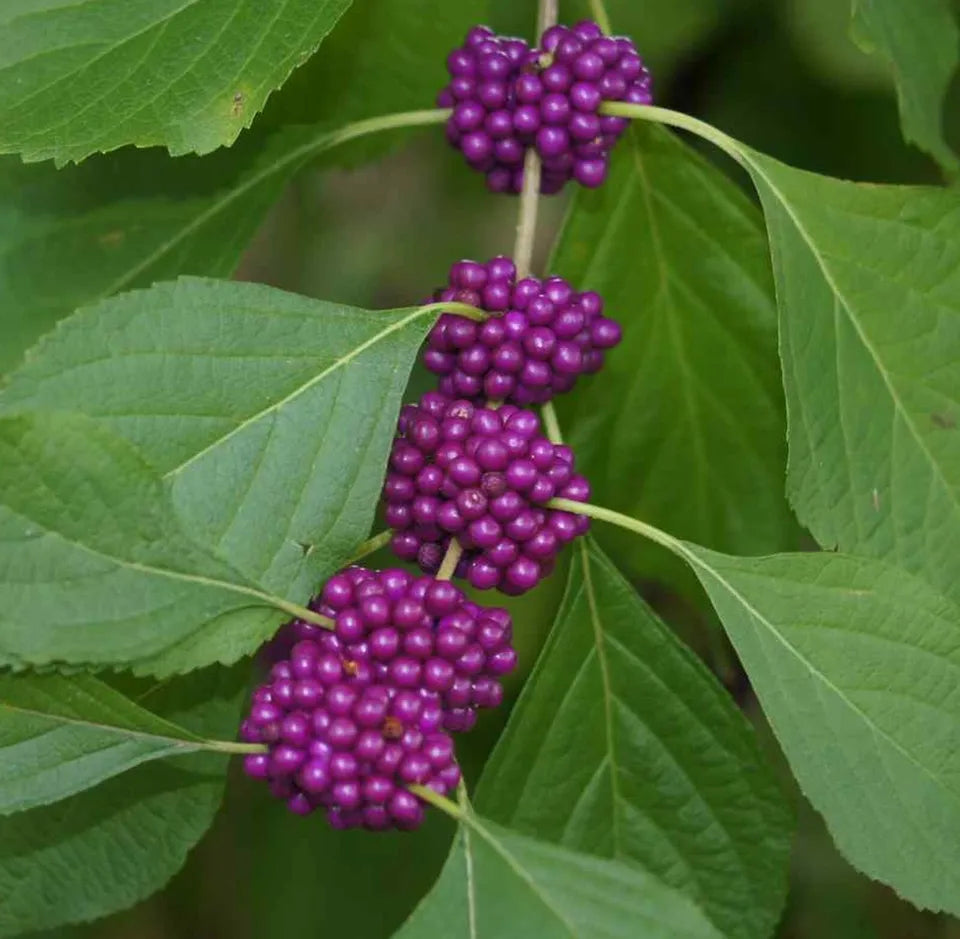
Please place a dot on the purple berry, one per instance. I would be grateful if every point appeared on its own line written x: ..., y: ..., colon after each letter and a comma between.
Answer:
x: 499, y: 477
x: 506, y: 97
x: 537, y: 342
x: 363, y: 742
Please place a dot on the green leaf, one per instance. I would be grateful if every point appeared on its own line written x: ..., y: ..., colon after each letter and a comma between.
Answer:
x: 623, y: 745
x: 129, y: 219
x: 110, y: 847
x: 921, y: 44
x: 497, y: 884
x: 856, y: 665
x: 95, y: 568
x: 868, y: 281
x: 60, y: 735
x: 79, y: 78
x: 269, y: 415
x: 685, y: 426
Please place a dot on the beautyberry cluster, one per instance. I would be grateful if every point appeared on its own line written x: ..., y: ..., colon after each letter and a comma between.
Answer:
x: 541, y: 337
x: 352, y: 717
x: 507, y: 97
x: 484, y: 476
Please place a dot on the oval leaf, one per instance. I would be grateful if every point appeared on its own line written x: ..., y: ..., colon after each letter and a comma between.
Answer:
x: 96, y: 568
x: 498, y: 884
x: 269, y: 415
x: 919, y: 42
x: 624, y: 745
x: 856, y: 664
x: 870, y: 343
x: 110, y: 847
x: 60, y: 735
x: 80, y: 78
x: 690, y: 402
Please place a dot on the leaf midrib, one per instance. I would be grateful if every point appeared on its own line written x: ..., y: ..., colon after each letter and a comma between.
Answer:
x: 338, y: 363
x: 828, y: 276
x: 878, y: 731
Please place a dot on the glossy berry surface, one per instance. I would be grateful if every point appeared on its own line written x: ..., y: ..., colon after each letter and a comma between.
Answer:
x: 424, y: 635
x: 485, y: 476
x: 342, y: 741
x: 506, y: 97
x: 541, y: 335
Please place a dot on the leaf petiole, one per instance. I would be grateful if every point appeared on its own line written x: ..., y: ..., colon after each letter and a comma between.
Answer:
x: 623, y: 521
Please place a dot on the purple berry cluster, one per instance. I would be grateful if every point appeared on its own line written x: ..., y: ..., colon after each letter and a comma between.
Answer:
x: 483, y: 476
x: 339, y: 740
x: 425, y: 634
x: 541, y: 337
x: 507, y: 97
x: 353, y: 717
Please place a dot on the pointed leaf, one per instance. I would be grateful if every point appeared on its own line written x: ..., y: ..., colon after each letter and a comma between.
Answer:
x: 61, y: 734
x: 856, y: 665
x: 110, y: 847
x: 95, y: 566
x: 690, y: 402
x: 624, y: 745
x: 921, y: 44
x: 79, y: 78
x: 497, y: 884
x: 868, y: 280
x: 269, y: 415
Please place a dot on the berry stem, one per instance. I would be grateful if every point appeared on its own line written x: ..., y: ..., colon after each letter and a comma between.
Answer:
x: 301, y: 612
x: 600, y: 16
x: 460, y: 309
x: 450, y: 560
x: 649, y: 112
x: 550, y: 423
x: 373, y: 543
x: 232, y: 746
x: 438, y: 801
x: 547, y: 15
x: 527, y: 218
x: 623, y: 521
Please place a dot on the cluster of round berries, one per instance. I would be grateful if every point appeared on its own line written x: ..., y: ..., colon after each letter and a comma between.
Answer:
x: 483, y: 476
x: 353, y: 717
x: 542, y: 336
x: 507, y: 97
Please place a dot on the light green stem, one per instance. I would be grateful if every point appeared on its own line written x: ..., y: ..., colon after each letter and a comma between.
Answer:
x: 649, y: 112
x: 460, y: 309
x: 550, y: 423
x: 623, y: 521
x: 599, y: 12
x: 438, y: 801
x: 374, y: 543
x: 232, y: 746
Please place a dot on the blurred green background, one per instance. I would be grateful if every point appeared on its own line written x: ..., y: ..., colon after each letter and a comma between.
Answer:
x: 783, y: 76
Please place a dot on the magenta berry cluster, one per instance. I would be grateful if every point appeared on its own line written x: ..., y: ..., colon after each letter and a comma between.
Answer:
x: 352, y: 717
x: 507, y: 97
x: 541, y: 337
x: 483, y: 476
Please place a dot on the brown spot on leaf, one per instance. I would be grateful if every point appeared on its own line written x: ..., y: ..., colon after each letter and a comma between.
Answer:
x: 110, y: 239
x: 238, y: 102
x: 943, y: 421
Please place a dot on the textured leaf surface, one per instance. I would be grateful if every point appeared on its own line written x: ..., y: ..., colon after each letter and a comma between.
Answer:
x: 109, y: 847
x: 130, y: 218
x: 269, y: 415
x: 919, y: 41
x: 623, y: 745
x: 497, y: 884
x: 94, y: 567
x: 92, y: 75
x: 684, y: 427
x: 60, y: 735
x: 856, y: 663
x: 868, y: 279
